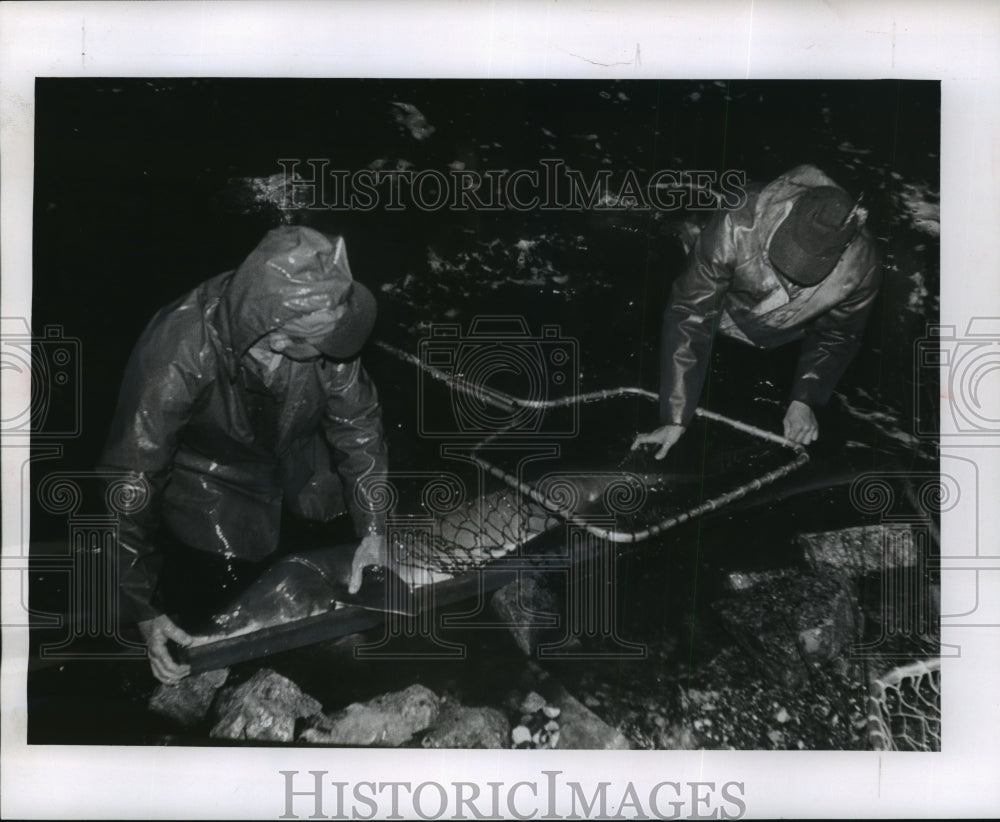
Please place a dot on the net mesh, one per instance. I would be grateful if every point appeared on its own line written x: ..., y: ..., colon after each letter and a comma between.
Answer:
x: 485, y: 530
x: 599, y: 475
x: 717, y: 462
x: 592, y: 477
x: 904, y: 708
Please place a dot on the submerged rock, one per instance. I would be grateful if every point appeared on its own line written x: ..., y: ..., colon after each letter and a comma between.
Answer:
x: 188, y: 701
x: 729, y: 704
x: 464, y: 727
x: 737, y: 581
x: 888, y: 568
x: 581, y: 729
x: 520, y: 735
x: 412, y: 119
x: 389, y: 720
x: 532, y: 702
x: 790, y: 622
x: 538, y: 727
x: 264, y: 708
x: 529, y: 608
x: 862, y: 550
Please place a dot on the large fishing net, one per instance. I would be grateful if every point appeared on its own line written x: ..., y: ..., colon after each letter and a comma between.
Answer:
x: 571, y: 457
x: 482, y: 530
x: 596, y: 481
x: 568, y: 462
x: 904, y: 708
x: 564, y: 468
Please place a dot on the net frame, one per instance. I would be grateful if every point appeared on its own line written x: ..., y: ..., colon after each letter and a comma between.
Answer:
x: 612, y: 534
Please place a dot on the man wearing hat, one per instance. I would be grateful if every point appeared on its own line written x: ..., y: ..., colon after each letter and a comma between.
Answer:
x: 793, y: 262
x: 244, y: 404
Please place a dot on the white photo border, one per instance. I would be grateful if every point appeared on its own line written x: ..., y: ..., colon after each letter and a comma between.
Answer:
x: 958, y: 44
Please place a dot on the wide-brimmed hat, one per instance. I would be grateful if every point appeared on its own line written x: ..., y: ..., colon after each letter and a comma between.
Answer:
x: 354, y: 325
x: 811, y: 239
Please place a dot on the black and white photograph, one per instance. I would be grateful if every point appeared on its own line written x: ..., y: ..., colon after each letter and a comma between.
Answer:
x: 421, y: 419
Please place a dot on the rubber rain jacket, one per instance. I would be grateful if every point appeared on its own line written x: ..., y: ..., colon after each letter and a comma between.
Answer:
x: 729, y: 286
x: 220, y: 443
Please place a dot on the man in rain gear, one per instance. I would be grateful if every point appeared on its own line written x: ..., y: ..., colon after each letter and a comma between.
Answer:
x: 243, y: 400
x: 792, y: 262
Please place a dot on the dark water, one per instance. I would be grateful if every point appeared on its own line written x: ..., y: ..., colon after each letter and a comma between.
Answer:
x: 138, y: 198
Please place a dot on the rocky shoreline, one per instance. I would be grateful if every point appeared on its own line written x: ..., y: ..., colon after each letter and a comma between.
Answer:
x: 795, y: 674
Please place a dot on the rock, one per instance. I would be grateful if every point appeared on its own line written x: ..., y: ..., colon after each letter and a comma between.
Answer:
x: 862, y: 550
x: 582, y: 729
x: 389, y: 720
x: 533, y: 702
x: 520, y: 734
x: 264, y: 708
x: 538, y: 727
x: 410, y: 117
x: 189, y: 701
x: 528, y: 607
x: 738, y: 581
x: 678, y: 737
x: 702, y: 700
x: 826, y: 625
x: 579, y: 727
x: 462, y: 727
x: 790, y: 622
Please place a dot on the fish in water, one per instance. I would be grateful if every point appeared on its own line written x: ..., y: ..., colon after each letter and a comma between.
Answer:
x: 293, y: 588
x: 476, y: 533
x: 496, y: 524
x: 314, y: 582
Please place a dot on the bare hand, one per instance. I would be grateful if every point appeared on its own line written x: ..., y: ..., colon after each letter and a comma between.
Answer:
x: 156, y: 632
x: 373, y: 550
x: 800, y: 423
x: 663, y: 438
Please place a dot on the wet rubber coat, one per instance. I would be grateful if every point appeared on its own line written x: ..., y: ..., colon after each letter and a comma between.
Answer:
x: 221, y: 443
x: 729, y: 286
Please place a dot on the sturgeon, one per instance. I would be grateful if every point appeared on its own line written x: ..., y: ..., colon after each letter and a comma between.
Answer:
x: 476, y: 533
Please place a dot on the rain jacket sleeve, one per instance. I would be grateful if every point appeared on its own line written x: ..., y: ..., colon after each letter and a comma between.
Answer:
x: 157, y: 394
x: 692, y: 318
x: 833, y: 339
x: 353, y: 428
